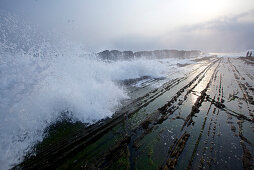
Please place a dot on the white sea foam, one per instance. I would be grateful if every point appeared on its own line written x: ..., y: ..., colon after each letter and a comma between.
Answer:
x: 40, y: 79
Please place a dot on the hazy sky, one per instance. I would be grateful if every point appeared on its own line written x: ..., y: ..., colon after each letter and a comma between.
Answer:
x: 209, y: 25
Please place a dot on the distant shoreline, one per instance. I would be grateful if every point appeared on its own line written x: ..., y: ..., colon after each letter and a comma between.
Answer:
x: 156, y: 54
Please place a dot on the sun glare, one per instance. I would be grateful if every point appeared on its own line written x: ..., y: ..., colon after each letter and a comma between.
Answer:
x: 207, y: 9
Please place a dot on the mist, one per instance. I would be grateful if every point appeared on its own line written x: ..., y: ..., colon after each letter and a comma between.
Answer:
x: 105, y: 84
x: 143, y: 25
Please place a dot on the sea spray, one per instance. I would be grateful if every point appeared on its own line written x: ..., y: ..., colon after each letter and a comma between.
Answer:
x: 42, y: 76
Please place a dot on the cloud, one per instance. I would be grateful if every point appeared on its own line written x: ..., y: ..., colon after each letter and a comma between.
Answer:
x: 224, y: 34
x: 143, y: 25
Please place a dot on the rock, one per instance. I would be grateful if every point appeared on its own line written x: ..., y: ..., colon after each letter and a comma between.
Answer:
x: 157, y: 54
x: 233, y: 128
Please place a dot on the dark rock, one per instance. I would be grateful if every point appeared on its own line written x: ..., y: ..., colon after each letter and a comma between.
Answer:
x: 145, y: 124
x: 157, y: 54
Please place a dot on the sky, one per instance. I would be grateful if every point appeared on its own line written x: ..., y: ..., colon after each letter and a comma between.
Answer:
x: 207, y: 25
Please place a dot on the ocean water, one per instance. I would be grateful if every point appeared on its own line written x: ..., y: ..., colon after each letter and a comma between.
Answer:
x: 42, y: 76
